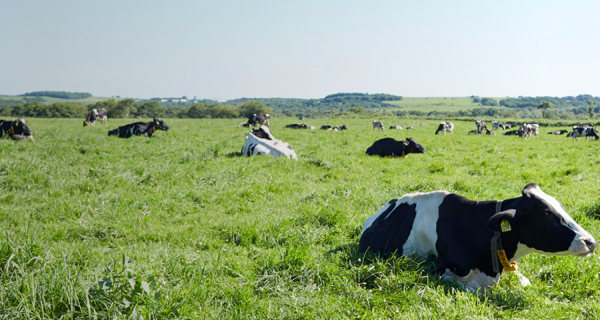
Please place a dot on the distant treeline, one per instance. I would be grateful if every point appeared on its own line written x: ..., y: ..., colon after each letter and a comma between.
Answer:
x: 132, y: 109
x: 58, y: 94
x: 341, y: 105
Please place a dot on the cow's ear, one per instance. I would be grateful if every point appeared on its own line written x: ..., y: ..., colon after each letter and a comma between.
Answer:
x: 503, y: 221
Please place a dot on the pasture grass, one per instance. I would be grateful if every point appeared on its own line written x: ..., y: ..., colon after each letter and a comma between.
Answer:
x: 183, y: 226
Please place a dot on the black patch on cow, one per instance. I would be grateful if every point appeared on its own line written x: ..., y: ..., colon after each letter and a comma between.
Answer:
x: 391, y: 234
x: 251, y: 149
x: 461, y: 222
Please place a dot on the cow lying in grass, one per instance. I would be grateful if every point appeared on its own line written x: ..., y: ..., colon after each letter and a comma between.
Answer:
x: 16, y: 130
x: 558, y: 132
x: 139, y: 128
x: 389, y: 147
x: 474, y: 241
x: 262, y: 142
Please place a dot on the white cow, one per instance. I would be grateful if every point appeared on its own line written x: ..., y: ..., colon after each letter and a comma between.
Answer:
x: 262, y: 142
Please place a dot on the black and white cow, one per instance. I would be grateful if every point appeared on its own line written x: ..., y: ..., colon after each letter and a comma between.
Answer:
x: 395, y: 127
x: 475, y: 132
x: 481, y: 126
x: 258, y: 119
x: 338, y: 128
x: 389, y: 147
x: 409, y: 128
x: 378, y: 125
x: 587, y: 132
x: 297, y: 126
x: 96, y: 114
x: 530, y: 130
x: 490, y: 132
x: 16, y: 129
x: 326, y: 127
x: 558, y: 132
x: 464, y: 235
x: 514, y: 133
x: 497, y: 125
x: 508, y: 126
x: 262, y: 142
x: 445, y: 126
x: 139, y: 128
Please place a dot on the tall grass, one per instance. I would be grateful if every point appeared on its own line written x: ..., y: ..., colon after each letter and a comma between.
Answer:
x: 182, y: 226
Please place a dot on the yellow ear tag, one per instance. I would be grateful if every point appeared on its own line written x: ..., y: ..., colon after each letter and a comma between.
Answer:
x: 505, y: 226
x: 508, y: 266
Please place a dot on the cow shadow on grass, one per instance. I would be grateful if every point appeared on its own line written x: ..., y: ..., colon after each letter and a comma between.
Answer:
x: 233, y: 154
x: 393, y: 272
x: 593, y: 211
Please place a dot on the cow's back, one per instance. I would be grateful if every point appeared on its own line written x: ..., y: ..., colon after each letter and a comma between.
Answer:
x: 406, y: 225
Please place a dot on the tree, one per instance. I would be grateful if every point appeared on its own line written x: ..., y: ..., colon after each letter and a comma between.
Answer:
x: 591, y: 109
x: 122, y: 108
x: 546, y: 105
x: 198, y: 110
x: 150, y: 109
x: 251, y: 107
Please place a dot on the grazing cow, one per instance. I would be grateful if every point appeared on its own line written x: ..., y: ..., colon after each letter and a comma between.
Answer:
x: 16, y: 129
x: 474, y: 241
x: 409, y: 128
x: 490, y: 132
x: 530, y: 129
x: 514, y: 133
x: 96, y: 114
x: 378, y: 124
x: 297, y: 126
x: 474, y: 132
x: 139, y: 128
x: 497, y: 125
x: 389, y: 147
x: 396, y: 127
x: 259, y: 119
x: 445, y: 126
x: 262, y: 142
x: 587, y: 132
x: 558, y: 132
x: 481, y: 126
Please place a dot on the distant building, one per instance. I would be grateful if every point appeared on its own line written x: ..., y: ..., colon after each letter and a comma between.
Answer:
x: 174, y: 100
x: 164, y: 100
x: 183, y: 100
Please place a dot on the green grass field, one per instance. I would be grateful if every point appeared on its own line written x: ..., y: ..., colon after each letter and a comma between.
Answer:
x: 182, y: 226
x: 437, y: 104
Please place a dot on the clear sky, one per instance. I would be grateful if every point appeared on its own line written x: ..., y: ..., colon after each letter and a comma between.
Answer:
x: 225, y: 49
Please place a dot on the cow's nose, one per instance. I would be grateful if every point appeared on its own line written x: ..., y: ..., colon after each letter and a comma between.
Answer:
x: 591, y: 244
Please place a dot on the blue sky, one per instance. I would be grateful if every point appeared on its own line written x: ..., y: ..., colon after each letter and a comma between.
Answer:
x: 304, y: 49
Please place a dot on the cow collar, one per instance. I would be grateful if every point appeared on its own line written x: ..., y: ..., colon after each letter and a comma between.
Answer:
x: 498, y: 253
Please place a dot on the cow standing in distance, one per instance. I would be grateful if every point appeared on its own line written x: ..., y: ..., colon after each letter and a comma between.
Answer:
x: 262, y: 142
x: 389, y: 147
x: 139, y: 128
x: 530, y: 129
x: 16, y: 130
x: 378, y: 125
x: 587, y: 132
x: 259, y: 119
x: 96, y: 114
x: 497, y: 125
x: 445, y: 126
x: 465, y: 236
x: 481, y: 126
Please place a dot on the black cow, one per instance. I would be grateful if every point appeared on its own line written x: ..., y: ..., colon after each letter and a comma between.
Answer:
x: 558, y: 132
x: 389, y: 147
x: 139, y: 128
x: 297, y: 126
x: 472, y: 241
x: 259, y: 119
x: 16, y: 129
x: 96, y: 114
x: 326, y: 127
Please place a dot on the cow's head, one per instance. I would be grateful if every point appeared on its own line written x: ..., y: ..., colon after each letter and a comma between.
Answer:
x: 160, y: 124
x: 19, y: 126
x: 411, y: 146
x: 542, y: 225
x: 85, y: 123
x: 263, y: 132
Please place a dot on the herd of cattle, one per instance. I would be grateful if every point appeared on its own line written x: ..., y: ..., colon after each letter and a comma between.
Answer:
x: 472, y: 242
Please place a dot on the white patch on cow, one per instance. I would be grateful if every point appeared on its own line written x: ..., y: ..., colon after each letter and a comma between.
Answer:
x: 423, y: 235
x: 474, y: 280
x: 372, y: 218
x: 578, y: 245
x: 272, y: 147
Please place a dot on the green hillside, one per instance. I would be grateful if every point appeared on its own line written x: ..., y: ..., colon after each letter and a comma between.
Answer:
x: 436, y: 103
